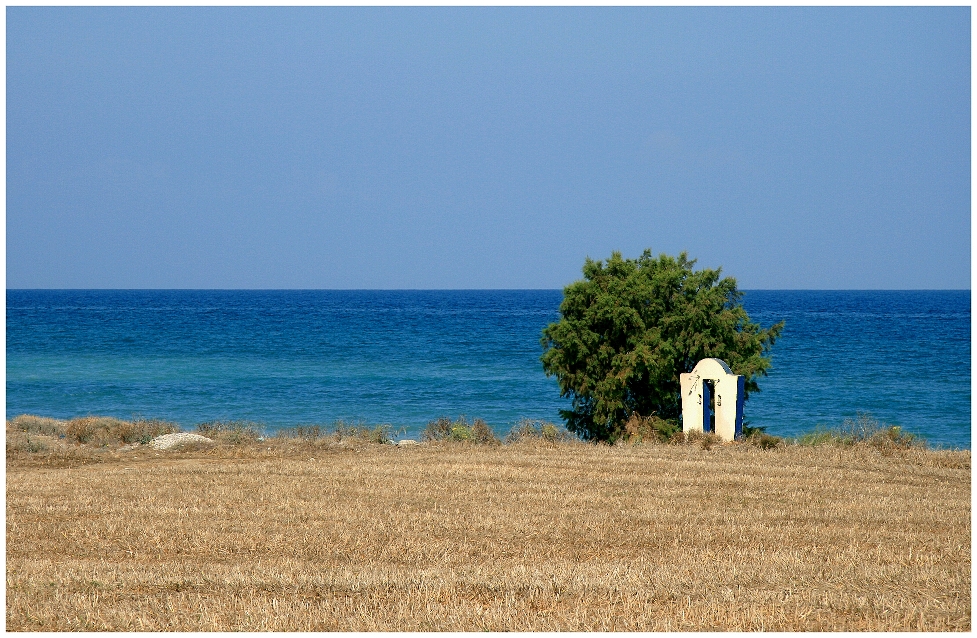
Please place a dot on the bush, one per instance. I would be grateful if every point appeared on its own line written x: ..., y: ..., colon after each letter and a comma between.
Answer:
x: 341, y: 430
x: 822, y: 436
x: 649, y: 429
x: 437, y: 430
x: 444, y: 429
x: 143, y: 430
x: 893, y: 437
x: 80, y: 430
x: 706, y: 440
x: 129, y: 432
x: 864, y: 430
x: 631, y: 326
x: 38, y: 425
x: 21, y: 441
x: 99, y: 430
x: 33, y: 446
x: 483, y: 434
x: 231, y: 432
x: 763, y: 440
x: 363, y: 433
x: 306, y: 432
x: 536, y: 430
x: 95, y: 430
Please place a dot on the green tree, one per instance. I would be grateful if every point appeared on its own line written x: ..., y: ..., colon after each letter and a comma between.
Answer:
x: 631, y: 326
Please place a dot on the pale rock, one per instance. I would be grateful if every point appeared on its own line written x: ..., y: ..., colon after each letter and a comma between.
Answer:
x: 167, y: 441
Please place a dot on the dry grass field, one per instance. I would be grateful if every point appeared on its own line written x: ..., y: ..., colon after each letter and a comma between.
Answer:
x: 340, y: 533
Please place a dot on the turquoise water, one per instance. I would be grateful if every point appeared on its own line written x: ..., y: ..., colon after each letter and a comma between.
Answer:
x: 406, y: 357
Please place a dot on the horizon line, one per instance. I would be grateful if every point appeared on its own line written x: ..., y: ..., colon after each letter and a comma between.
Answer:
x: 9, y: 289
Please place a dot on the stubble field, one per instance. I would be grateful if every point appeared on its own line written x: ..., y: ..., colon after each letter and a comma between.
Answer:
x: 357, y: 536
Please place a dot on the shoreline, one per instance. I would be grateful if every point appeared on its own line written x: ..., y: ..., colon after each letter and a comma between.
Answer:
x: 103, y: 431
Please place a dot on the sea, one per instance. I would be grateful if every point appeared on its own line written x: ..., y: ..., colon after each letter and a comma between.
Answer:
x: 405, y: 357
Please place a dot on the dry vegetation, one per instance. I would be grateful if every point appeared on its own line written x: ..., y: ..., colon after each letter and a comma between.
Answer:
x: 321, y: 530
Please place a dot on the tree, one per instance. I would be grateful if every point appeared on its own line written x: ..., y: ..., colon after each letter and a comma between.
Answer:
x: 631, y: 326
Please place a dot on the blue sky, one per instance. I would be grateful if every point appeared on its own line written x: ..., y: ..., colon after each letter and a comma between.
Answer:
x: 189, y: 147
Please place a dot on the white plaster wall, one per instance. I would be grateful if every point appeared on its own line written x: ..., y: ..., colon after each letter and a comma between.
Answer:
x: 691, y: 402
x: 727, y: 389
x: 726, y: 407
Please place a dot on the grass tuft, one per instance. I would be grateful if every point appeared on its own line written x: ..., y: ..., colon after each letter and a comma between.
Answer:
x: 303, y: 432
x: 537, y: 430
x: 143, y: 431
x: 38, y: 425
x: 104, y: 431
x: 363, y: 433
x: 705, y: 440
x: 763, y: 440
x: 649, y: 429
x: 84, y: 429
x: 864, y: 431
x: 231, y: 432
x: 21, y: 441
x: 444, y: 429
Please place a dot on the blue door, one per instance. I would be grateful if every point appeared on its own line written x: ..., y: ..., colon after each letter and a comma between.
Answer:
x: 708, y: 424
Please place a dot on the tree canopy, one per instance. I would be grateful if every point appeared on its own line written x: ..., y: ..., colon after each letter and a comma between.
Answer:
x: 631, y: 326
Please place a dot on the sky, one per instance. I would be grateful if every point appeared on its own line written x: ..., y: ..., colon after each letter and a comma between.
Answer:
x: 447, y: 148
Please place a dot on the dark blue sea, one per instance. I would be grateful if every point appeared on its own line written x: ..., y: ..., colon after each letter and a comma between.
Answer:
x: 405, y: 357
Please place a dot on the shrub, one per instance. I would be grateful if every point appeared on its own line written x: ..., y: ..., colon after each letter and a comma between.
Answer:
x: 631, y: 326
x: 378, y: 434
x: 444, y: 429
x: 705, y: 439
x: 864, y: 430
x: 142, y: 430
x: 890, y: 438
x: 763, y: 440
x: 361, y: 432
x: 537, y: 430
x: 101, y: 430
x: 129, y: 432
x: 649, y: 429
x: 97, y: 430
x: 483, y: 434
x: 80, y: 430
x: 38, y: 425
x: 437, y: 430
x: 867, y: 429
x: 306, y: 432
x: 820, y: 436
x: 231, y: 432
x: 21, y: 441
x: 34, y: 446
